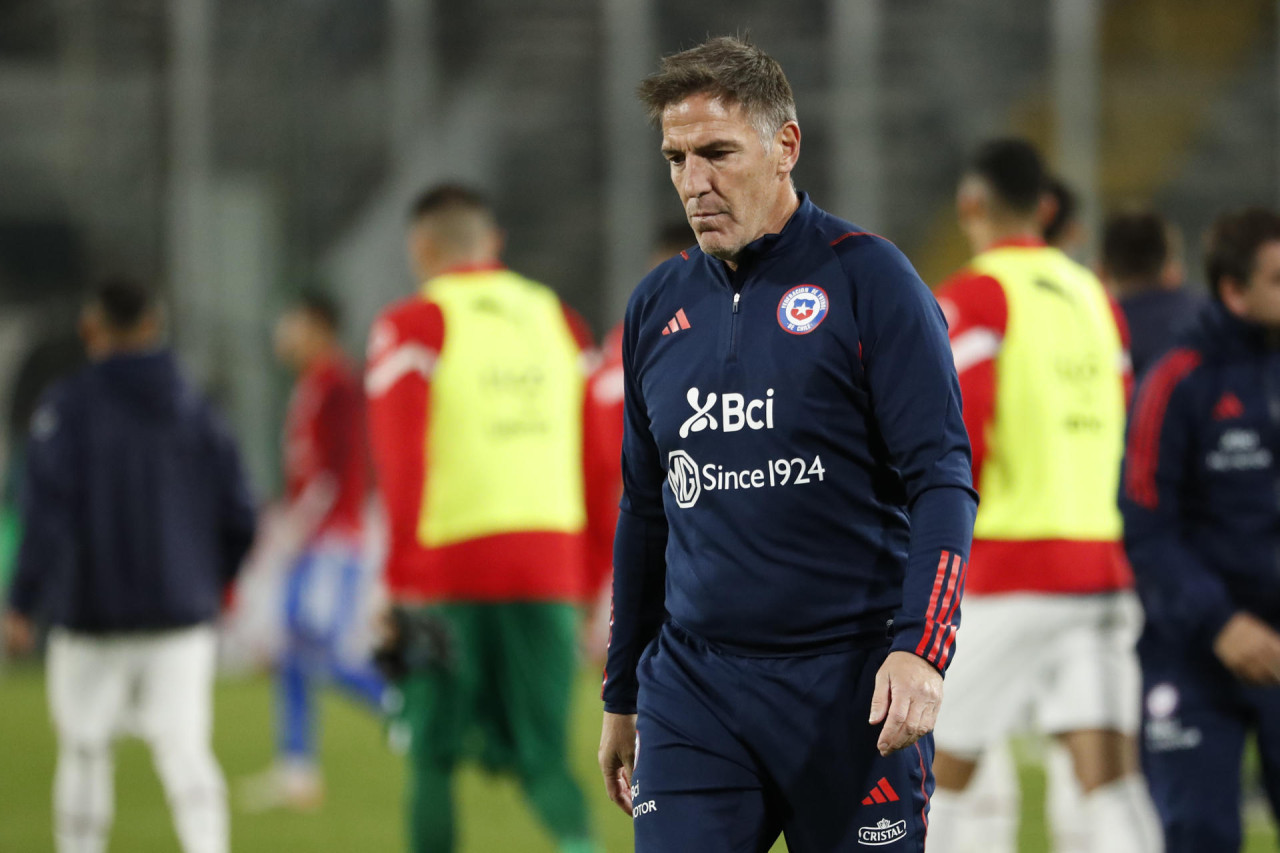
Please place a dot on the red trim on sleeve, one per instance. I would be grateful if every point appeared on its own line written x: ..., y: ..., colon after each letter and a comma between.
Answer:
x: 849, y: 234
x: 939, y: 630
x: 1148, y: 421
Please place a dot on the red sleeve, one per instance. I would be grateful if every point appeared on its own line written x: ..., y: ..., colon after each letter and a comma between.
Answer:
x: 977, y: 315
x: 1126, y: 363
x: 601, y: 502
x: 337, y: 432
x: 403, y: 347
x: 604, y: 476
x: 581, y: 331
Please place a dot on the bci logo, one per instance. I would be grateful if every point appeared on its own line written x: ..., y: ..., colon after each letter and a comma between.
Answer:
x: 736, y: 413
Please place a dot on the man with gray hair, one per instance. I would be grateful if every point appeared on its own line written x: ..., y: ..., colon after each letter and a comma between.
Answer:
x: 797, y: 505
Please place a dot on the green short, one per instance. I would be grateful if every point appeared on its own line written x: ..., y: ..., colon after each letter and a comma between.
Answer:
x: 504, y: 699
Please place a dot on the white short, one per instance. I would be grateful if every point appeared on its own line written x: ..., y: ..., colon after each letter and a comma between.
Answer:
x: 158, y: 686
x: 1062, y: 663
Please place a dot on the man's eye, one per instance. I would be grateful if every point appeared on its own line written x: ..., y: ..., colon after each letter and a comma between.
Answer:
x: 676, y: 160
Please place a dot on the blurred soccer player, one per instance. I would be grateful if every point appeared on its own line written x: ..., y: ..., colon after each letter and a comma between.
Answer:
x: 136, y: 519
x: 477, y: 387
x: 1202, y: 530
x: 1051, y: 617
x: 797, y: 508
x: 326, y: 484
x: 1142, y: 266
x: 606, y: 395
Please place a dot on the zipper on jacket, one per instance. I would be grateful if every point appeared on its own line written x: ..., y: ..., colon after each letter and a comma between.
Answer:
x: 733, y: 325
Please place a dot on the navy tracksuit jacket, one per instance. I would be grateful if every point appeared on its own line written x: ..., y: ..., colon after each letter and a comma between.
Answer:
x: 1201, y: 505
x: 136, y: 514
x: 797, y: 502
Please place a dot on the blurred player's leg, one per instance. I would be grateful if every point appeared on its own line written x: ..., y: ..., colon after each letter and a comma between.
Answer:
x: 352, y: 673
x: 1092, y: 705
x: 539, y: 659
x: 88, y: 690
x: 989, y: 693
x: 176, y: 719
x: 439, y: 708
x: 991, y: 804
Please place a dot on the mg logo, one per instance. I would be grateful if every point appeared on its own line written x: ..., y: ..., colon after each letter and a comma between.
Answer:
x: 736, y: 413
x: 682, y: 477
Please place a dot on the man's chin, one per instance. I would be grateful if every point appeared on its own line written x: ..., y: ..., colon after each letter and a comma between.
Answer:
x: 717, y: 246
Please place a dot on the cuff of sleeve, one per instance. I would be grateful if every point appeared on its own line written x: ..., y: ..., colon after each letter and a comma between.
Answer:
x: 620, y: 708
x: 909, y: 641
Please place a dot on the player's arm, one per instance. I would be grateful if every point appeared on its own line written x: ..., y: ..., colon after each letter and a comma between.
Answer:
x: 1125, y: 367
x: 47, y: 498
x: 338, y: 438
x: 915, y: 395
x: 977, y: 315
x: 639, y: 578
x: 603, y: 438
x: 1181, y: 594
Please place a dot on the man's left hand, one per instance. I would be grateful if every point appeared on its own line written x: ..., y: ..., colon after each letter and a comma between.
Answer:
x: 907, y: 697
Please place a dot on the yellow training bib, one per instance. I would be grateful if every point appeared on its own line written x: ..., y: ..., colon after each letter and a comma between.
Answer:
x: 1054, y: 444
x: 504, y: 439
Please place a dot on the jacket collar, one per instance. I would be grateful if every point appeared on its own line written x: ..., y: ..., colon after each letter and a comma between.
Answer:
x: 791, y: 234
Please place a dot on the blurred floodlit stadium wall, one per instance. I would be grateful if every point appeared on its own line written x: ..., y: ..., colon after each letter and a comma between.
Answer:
x: 234, y: 151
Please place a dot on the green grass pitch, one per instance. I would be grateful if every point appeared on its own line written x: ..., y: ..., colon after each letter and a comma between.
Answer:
x: 362, y: 811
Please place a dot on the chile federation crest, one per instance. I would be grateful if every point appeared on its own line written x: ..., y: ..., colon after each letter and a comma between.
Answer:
x: 802, y: 309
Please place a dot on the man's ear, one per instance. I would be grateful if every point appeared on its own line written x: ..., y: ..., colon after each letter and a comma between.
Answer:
x: 970, y: 204
x: 788, y: 139
x: 1232, y: 293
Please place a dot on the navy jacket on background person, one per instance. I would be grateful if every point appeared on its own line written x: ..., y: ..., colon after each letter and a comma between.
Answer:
x: 1199, y: 493
x: 136, y: 513
x: 796, y: 470
x: 1156, y: 319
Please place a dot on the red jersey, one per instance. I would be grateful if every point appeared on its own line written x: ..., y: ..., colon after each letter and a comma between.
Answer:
x: 977, y: 313
x: 324, y: 437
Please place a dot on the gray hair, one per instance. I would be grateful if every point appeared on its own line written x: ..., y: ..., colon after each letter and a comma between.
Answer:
x: 732, y: 71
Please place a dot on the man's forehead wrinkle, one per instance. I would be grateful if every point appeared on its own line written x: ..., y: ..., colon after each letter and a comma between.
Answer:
x: 700, y: 140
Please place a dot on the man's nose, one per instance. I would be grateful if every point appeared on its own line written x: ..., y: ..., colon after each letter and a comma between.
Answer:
x: 696, y: 180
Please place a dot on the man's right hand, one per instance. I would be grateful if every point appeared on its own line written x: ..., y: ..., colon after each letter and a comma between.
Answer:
x: 618, y: 757
x: 1250, y: 648
x: 19, y: 634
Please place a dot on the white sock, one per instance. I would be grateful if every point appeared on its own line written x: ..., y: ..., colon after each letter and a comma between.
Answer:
x: 993, y: 802
x: 1065, y: 802
x: 197, y: 796
x: 1121, y: 818
x: 83, y: 798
